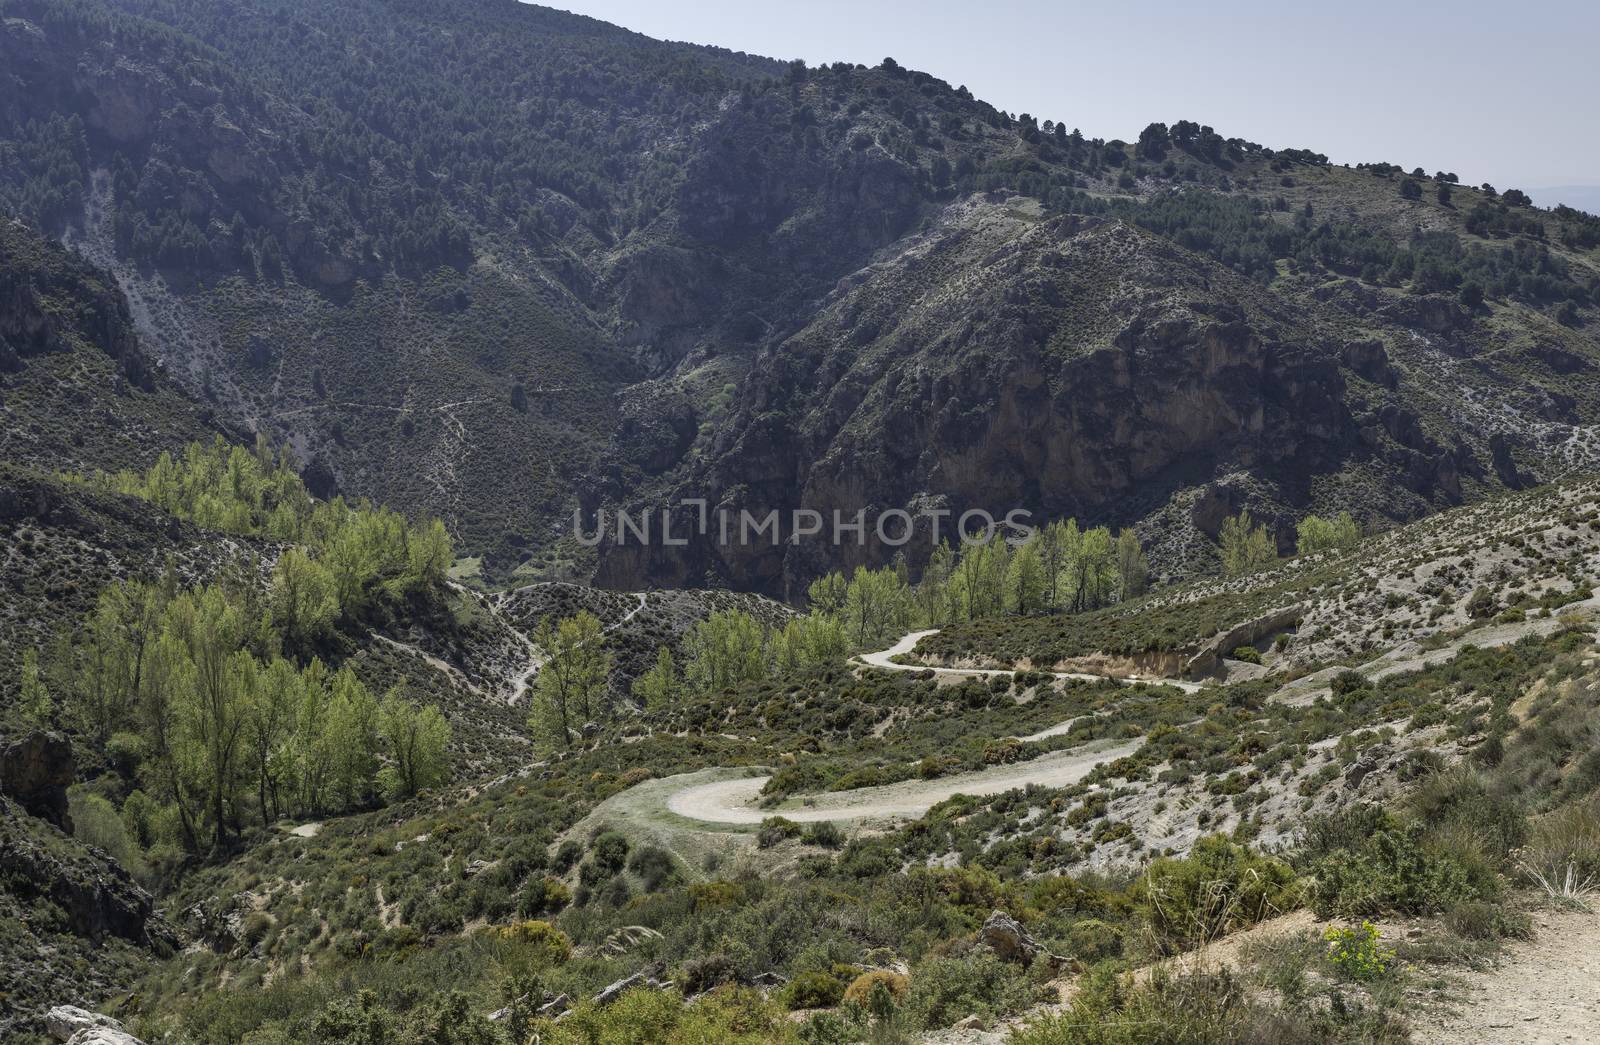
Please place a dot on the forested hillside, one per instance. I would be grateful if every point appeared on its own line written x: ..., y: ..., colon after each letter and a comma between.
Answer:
x: 493, y: 262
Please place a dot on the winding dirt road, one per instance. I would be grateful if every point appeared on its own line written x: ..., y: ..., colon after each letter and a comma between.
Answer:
x: 885, y: 659
x: 734, y: 801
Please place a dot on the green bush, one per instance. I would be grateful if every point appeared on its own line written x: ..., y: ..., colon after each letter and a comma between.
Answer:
x: 654, y: 866
x: 1248, y: 654
x: 1392, y: 870
x: 1200, y: 1008
x: 1220, y: 887
x: 724, y: 1017
x: 944, y: 990
x: 1356, y: 952
x: 1479, y: 921
x: 1092, y: 940
x: 814, y: 990
x: 823, y: 833
x: 1461, y: 798
x: 863, y: 987
x: 776, y: 830
x: 609, y: 852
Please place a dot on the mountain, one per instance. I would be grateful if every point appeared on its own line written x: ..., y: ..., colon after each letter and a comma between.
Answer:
x: 318, y: 322
x: 499, y: 263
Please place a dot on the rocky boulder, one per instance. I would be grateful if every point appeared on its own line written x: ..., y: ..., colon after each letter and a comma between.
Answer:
x: 35, y: 771
x: 1006, y: 937
x: 75, y: 1026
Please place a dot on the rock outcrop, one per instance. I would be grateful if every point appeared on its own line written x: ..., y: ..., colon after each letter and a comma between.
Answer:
x: 1007, y: 938
x: 74, y: 1026
x: 98, y: 897
x: 35, y: 771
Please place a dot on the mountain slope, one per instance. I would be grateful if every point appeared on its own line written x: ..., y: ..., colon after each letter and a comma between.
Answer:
x: 496, y: 263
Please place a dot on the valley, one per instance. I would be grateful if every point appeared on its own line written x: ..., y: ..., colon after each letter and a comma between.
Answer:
x: 331, y: 712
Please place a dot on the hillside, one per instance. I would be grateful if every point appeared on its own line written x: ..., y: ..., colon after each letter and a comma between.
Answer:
x: 330, y: 331
x: 793, y: 833
x: 496, y: 263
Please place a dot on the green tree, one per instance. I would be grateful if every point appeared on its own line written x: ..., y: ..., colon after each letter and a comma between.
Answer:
x: 1317, y: 534
x: 1091, y: 570
x: 350, y: 739
x: 269, y: 726
x: 932, y: 594
x: 34, y: 699
x: 302, y: 599
x: 877, y: 604
x: 726, y: 648
x: 1246, y: 547
x: 1133, y: 571
x: 809, y: 642
x: 210, y: 715
x: 1057, y: 543
x: 827, y: 594
x: 1025, y: 580
x: 659, y: 687
x: 417, y: 739
x: 574, y: 673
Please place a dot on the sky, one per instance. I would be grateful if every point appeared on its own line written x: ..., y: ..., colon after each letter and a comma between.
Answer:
x: 1498, y: 92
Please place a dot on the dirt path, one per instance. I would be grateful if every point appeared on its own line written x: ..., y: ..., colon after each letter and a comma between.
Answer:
x: 1544, y: 990
x: 885, y: 659
x: 441, y: 666
x: 733, y: 801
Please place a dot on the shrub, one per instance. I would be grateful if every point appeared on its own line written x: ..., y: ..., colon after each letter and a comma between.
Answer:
x: 1563, y: 856
x: 566, y: 856
x: 823, y: 833
x: 1392, y: 870
x: 731, y: 1016
x: 699, y: 975
x: 1474, y: 920
x: 1460, y: 798
x: 544, y: 896
x: 776, y: 830
x: 1092, y: 940
x: 540, y: 939
x: 1220, y: 887
x: 609, y: 852
x: 1348, y: 682
x: 654, y: 866
x: 1248, y: 654
x: 945, y: 990
x: 861, y: 987
x: 814, y: 990
x: 1357, y: 953
x: 255, y: 927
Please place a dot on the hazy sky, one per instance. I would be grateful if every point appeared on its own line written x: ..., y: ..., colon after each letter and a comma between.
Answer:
x: 1504, y: 92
